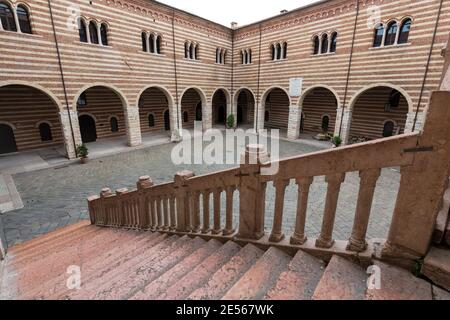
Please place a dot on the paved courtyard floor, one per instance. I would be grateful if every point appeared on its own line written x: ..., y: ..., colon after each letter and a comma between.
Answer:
x: 55, y: 197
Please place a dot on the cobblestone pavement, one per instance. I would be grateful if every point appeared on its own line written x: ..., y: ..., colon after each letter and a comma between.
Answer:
x: 57, y: 197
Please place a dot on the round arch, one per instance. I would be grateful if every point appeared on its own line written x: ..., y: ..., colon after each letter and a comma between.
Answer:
x: 405, y: 94
x: 6, y: 123
x: 113, y: 88
x: 269, y: 90
x: 200, y: 92
x: 225, y: 91
x: 166, y: 92
x: 238, y: 92
x: 324, y: 86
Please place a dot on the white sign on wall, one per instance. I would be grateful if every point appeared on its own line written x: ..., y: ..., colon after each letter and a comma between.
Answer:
x: 295, y: 87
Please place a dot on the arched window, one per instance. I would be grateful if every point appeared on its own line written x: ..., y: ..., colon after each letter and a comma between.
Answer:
x: 272, y: 51
x: 191, y: 51
x: 114, y: 124
x: 224, y: 56
x: 104, y: 34
x: 93, y: 32
x: 45, y: 131
x: 152, y: 43
x: 404, y: 31
x: 186, y: 50
x: 391, y: 33
x: 333, y: 44
x: 217, y: 55
x: 151, y: 120
x: 24, y: 19
x: 324, y: 44
x: 284, y: 50
x: 325, y: 123
x: 144, y: 41
x: 7, y: 17
x: 158, y: 44
x: 378, y: 36
x: 82, y: 101
x: 82, y: 31
x: 266, y: 116
x: 185, y: 116
x: 278, y: 51
x: 196, y: 51
x: 316, y: 45
x: 394, y: 99
x: 250, y: 56
x: 388, y: 129
x: 242, y: 57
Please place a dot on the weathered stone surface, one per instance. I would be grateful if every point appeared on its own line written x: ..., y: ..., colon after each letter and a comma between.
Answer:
x: 442, y: 219
x: 257, y: 281
x: 300, y: 280
x: 437, y: 267
x: 342, y: 280
x: 440, y: 294
x: 399, y: 284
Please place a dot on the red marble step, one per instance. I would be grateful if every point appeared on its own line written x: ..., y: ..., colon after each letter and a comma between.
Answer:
x: 48, y: 237
x: 257, y: 281
x: 128, y: 284
x: 107, y: 266
x: 95, y: 285
x: 201, y: 274
x: 110, y: 252
x: 228, y: 275
x: 300, y: 280
x: 399, y: 284
x: 162, y: 283
x: 437, y: 267
x: 342, y: 280
x: 60, y: 243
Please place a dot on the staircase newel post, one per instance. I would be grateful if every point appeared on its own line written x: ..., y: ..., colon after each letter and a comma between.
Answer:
x: 181, y: 180
x: 252, y: 193
x: 144, y: 183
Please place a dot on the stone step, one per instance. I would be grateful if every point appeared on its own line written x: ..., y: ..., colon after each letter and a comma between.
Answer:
x: 201, y: 274
x: 440, y: 294
x: 262, y: 276
x: 398, y: 284
x: 111, y: 252
x: 300, y: 280
x: 142, y: 274
x: 158, y: 286
x: 52, y: 236
x: 446, y: 239
x: 436, y: 267
x: 228, y: 275
x: 442, y: 220
x: 95, y: 284
x: 342, y: 280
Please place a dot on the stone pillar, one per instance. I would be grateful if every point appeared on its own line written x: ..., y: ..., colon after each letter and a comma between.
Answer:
x: 176, y: 129
x: 410, y: 121
x: 295, y: 114
x: 133, y: 126
x: 67, y: 132
x: 259, y: 117
x: 207, y: 117
x: 346, y: 123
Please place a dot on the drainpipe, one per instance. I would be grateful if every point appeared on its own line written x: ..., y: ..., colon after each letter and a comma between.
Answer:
x: 258, y: 98
x: 176, y: 72
x: 349, y: 66
x: 427, y: 65
x: 62, y: 80
x: 232, y: 75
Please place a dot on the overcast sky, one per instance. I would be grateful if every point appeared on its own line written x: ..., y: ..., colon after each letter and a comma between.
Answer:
x: 241, y: 11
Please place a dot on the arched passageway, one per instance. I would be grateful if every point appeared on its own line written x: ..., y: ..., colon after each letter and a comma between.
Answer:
x: 219, y: 107
x: 245, y: 107
x: 29, y: 119
x: 153, y: 106
x: 276, y: 109
x: 318, y: 107
x: 88, y: 128
x: 192, y: 104
x: 378, y: 112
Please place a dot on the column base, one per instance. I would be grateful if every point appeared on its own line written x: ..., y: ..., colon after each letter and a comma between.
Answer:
x: 324, y: 244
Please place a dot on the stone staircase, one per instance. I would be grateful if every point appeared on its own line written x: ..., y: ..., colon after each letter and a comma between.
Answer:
x: 130, y: 264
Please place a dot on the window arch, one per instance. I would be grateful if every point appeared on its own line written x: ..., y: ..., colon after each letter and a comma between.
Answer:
x: 24, y: 19
x: 316, y: 43
x: 82, y: 30
x: 186, y: 50
x: 378, y: 35
x: 114, y: 124
x: 93, y: 32
x: 152, y: 43
x: 144, y: 41
x: 45, y: 131
x: 394, y: 99
x: 7, y: 17
x: 284, y: 56
x: 388, y: 128
x: 325, y: 123
x: 104, y: 34
x: 404, y: 31
x: 278, y: 51
x: 391, y: 33
x: 324, y: 48
x: 158, y: 44
x: 185, y: 116
x: 333, y: 43
x: 151, y: 120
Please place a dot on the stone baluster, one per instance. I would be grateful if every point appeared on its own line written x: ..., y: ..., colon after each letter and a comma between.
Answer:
x: 183, y: 208
x: 217, y: 206
x: 144, y: 183
x: 173, y: 219
x: 367, y: 186
x: 334, y: 185
x: 304, y: 185
x: 123, y: 207
x: 229, y: 214
x: 280, y: 186
x: 253, y: 190
x: 165, y: 200
x: 206, y: 209
x: 102, y: 214
x: 196, y: 211
x: 159, y: 213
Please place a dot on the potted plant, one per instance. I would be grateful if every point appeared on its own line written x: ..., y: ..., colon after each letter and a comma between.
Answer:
x: 336, y: 141
x: 82, y: 153
x: 230, y: 121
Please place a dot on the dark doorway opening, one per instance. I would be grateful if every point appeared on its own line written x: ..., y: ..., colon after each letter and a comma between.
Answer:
x: 166, y: 120
x: 222, y: 115
x: 240, y: 115
x: 198, y: 112
x: 8, y: 143
x: 87, y: 129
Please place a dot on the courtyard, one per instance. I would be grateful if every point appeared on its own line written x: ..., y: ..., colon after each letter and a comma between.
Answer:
x: 55, y: 197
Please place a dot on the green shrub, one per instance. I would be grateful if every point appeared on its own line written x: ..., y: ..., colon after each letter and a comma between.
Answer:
x: 336, y: 141
x: 82, y: 151
x: 230, y: 121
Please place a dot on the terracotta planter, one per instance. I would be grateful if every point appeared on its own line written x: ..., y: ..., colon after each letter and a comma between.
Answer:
x: 84, y: 160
